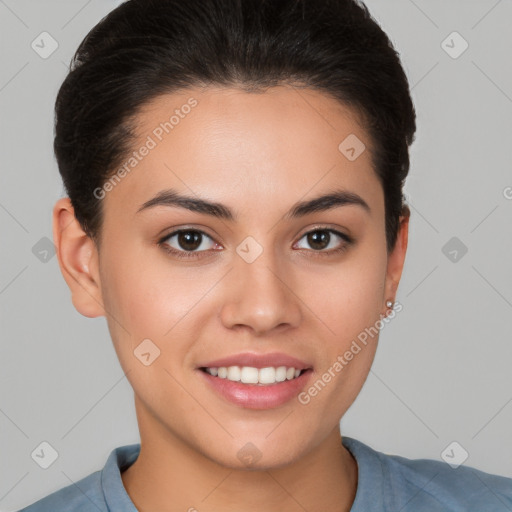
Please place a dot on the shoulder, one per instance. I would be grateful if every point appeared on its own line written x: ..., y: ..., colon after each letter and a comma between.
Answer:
x: 458, y: 489
x: 83, y: 496
x: 101, y: 491
x: 427, y: 484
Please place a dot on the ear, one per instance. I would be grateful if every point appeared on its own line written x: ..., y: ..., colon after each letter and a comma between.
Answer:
x: 396, y: 260
x: 78, y: 260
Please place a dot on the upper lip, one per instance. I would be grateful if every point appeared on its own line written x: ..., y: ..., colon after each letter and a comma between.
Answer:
x: 255, y: 360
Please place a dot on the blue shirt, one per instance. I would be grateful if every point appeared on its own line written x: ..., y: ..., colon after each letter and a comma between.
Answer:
x: 386, y: 483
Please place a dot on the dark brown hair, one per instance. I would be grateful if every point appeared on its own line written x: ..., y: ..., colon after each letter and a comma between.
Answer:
x: 146, y: 48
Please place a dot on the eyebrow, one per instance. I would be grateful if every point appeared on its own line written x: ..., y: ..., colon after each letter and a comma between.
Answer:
x: 334, y: 199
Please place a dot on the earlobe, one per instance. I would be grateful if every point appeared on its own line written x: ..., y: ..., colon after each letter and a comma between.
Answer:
x: 78, y: 260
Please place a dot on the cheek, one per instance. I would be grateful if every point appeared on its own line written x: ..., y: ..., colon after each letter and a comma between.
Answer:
x: 349, y: 304
x: 136, y: 291
x: 347, y: 358
x: 349, y: 299
x: 151, y: 301
x: 134, y: 307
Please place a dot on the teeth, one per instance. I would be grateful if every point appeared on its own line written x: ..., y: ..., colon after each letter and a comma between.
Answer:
x: 250, y: 375
x: 234, y: 373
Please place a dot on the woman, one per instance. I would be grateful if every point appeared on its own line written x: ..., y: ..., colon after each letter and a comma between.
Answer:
x: 234, y: 172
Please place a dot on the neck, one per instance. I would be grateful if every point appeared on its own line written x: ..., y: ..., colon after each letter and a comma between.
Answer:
x: 170, y: 475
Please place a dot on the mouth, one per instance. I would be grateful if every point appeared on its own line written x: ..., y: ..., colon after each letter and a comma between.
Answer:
x: 256, y: 380
x: 253, y: 376
x: 271, y: 392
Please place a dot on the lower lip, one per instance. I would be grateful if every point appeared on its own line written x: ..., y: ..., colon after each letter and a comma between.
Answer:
x: 252, y: 396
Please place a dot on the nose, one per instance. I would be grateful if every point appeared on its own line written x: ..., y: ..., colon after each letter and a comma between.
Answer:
x: 261, y: 296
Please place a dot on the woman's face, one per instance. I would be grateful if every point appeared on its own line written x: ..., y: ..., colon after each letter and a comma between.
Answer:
x: 264, y: 279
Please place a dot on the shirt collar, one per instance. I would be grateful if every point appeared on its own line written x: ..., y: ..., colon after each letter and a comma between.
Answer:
x: 115, y: 494
x: 369, y: 478
x: 369, y: 481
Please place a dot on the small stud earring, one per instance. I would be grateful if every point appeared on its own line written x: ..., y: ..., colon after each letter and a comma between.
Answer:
x: 389, y: 304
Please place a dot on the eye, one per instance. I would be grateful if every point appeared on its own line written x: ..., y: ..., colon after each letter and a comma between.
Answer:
x: 322, y: 238
x: 185, y: 243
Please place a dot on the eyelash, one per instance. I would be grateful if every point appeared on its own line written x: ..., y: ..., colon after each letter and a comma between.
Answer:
x: 193, y: 254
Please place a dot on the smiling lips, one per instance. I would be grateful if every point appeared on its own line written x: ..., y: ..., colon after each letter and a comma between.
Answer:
x: 251, y: 368
x: 257, y: 381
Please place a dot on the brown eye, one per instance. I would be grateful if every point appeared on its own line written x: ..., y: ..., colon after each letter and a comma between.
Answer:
x: 189, y: 240
x: 321, y: 239
x: 185, y: 243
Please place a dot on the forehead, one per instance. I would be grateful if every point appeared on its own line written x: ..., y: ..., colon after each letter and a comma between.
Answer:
x: 245, y: 147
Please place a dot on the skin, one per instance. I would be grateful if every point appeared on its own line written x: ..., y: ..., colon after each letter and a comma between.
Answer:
x: 258, y: 154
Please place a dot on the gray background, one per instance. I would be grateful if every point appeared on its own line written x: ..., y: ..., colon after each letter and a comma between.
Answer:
x: 442, y: 369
